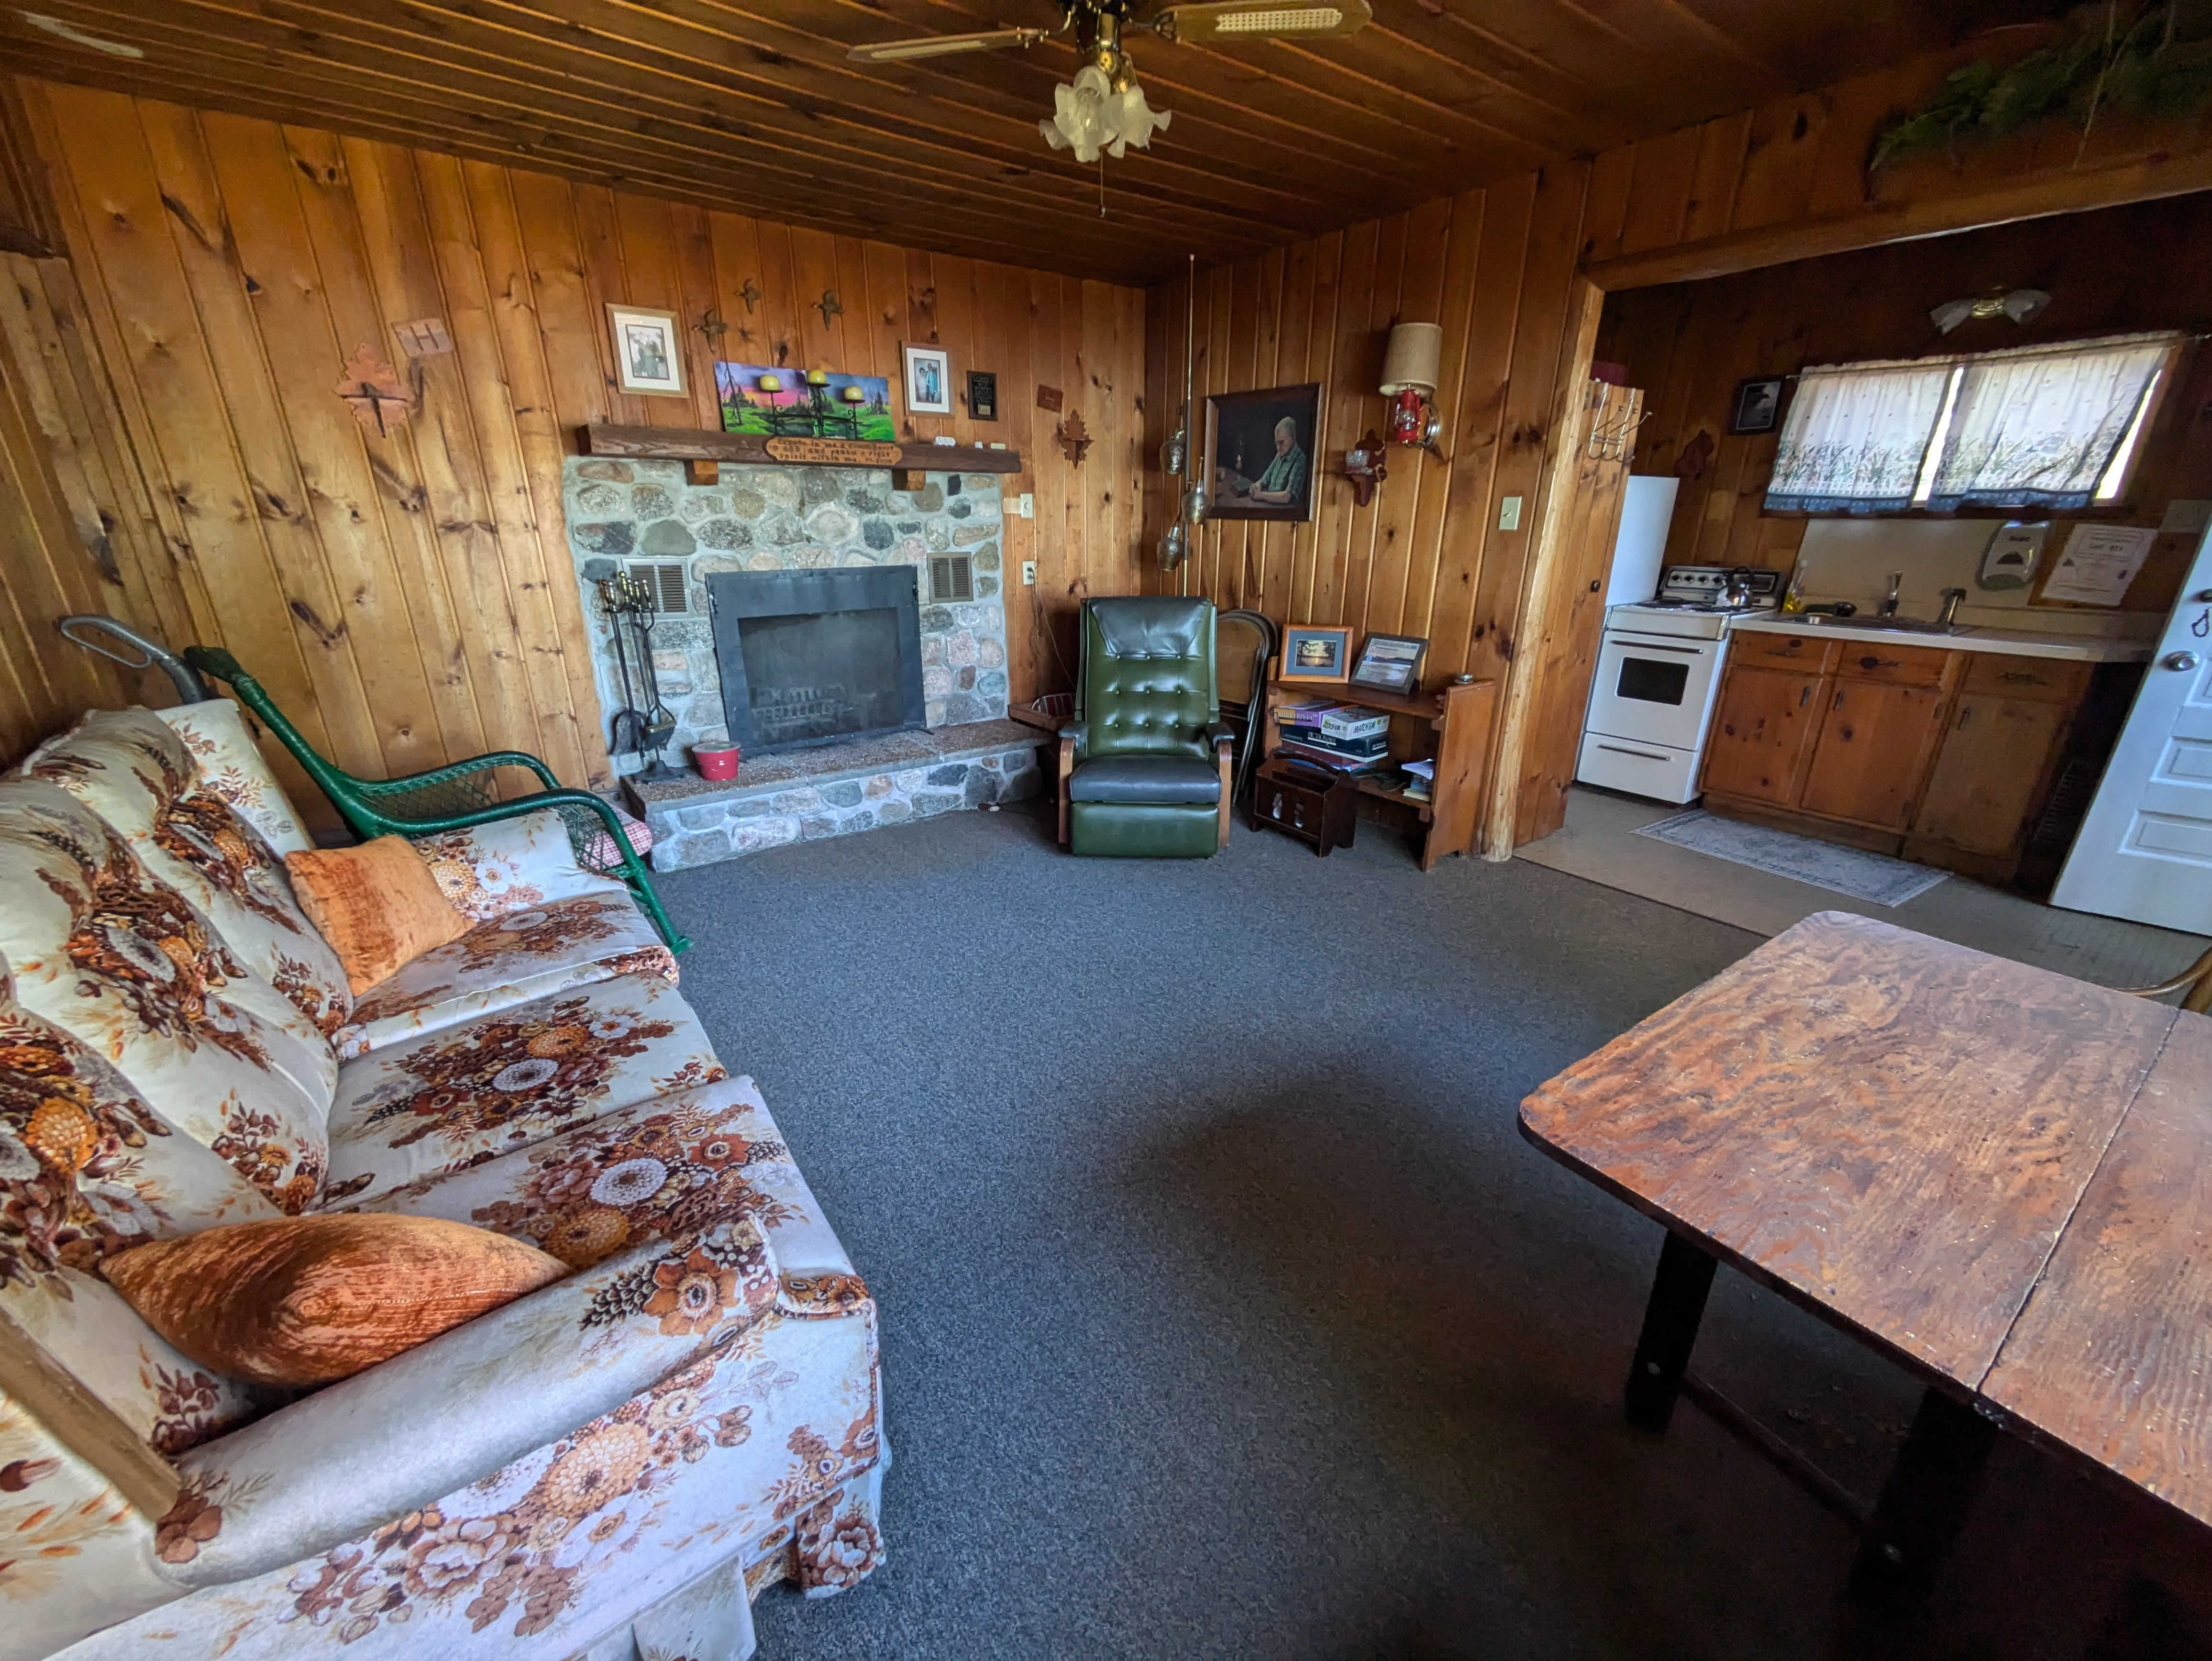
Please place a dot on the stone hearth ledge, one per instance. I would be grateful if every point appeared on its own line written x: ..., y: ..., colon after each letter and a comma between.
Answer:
x: 835, y: 789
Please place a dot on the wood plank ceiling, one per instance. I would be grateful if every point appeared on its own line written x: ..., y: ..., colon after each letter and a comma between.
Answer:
x: 751, y: 104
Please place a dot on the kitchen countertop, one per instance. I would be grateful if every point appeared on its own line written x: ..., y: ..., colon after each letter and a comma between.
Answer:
x: 1968, y: 637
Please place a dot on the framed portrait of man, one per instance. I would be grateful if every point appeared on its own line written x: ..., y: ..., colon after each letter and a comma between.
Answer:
x: 1261, y: 450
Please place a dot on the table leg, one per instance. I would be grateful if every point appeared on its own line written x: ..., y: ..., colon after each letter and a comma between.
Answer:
x: 1923, y: 1508
x: 1670, y: 1332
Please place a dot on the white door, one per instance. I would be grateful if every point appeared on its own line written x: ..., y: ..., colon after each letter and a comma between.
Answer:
x: 2145, y: 851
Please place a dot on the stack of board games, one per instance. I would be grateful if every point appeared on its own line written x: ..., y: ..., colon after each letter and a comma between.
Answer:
x: 1342, y: 736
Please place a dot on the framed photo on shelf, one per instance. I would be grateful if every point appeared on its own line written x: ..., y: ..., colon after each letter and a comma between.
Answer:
x: 1758, y: 406
x: 649, y: 351
x: 1390, y: 663
x: 1260, y: 452
x: 1313, y: 652
x: 928, y: 381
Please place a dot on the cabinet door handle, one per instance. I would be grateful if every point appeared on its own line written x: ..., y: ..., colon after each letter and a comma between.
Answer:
x: 1839, y: 703
x: 1965, y: 715
x: 1804, y: 696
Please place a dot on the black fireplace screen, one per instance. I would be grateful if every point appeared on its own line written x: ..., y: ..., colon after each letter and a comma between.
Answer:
x: 813, y: 657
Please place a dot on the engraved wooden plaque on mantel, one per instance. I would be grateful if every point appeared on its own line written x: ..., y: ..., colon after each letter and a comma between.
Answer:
x: 835, y: 452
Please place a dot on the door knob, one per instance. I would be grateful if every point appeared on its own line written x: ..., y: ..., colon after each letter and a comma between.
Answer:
x: 2179, y: 661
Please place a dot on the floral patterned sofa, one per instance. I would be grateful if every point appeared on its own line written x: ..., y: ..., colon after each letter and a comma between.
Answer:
x: 610, y: 1467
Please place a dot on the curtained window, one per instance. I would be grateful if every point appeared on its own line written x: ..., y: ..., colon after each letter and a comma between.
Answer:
x: 2040, y: 427
x: 2049, y: 427
x: 1857, y: 436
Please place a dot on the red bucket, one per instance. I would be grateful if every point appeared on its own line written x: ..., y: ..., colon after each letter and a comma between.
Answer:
x: 716, y: 761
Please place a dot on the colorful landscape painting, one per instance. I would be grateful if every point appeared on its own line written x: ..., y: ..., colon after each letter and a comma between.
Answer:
x: 757, y: 398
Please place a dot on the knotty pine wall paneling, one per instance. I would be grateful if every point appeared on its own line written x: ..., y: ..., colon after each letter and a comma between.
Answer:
x: 1510, y: 269
x: 2120, y: 270
x: 410, y: 596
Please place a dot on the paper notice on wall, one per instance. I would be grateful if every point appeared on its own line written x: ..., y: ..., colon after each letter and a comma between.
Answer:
x: 2098, y: 563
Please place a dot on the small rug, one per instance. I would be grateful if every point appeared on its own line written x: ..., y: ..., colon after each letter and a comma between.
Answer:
x: 1874, y: 878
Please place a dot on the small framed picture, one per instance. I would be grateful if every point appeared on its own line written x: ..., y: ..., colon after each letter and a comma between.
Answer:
x: 982, y: 395
x: 649, y: 351
x: 928, y: 381
x: 1313, y: 652
x: 1758, y: 406
x: 1390, y: 663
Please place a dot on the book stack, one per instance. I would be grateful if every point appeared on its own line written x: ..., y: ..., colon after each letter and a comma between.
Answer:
x: 1342, y: 736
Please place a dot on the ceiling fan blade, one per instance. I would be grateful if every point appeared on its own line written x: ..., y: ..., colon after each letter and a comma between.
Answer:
x: 1230, y: 20
x: 945, y: 45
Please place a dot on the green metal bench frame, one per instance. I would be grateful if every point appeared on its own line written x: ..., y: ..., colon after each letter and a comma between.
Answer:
x: 457, y: 797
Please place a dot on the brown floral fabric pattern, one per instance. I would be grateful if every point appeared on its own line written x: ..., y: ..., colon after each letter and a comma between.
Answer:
x: 122, y: 964
x: 509, y: 1080
x: 232, y: 765
x: 509, y: 865
x: 765, y: 1451
x: 514, y: 958
x: 136, y: 773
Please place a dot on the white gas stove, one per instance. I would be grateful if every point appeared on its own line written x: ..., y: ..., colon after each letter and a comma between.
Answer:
x: 1658, y: 674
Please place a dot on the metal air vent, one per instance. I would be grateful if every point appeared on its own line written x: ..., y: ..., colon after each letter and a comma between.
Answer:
x: 952, y: 576
x: 670, y: 597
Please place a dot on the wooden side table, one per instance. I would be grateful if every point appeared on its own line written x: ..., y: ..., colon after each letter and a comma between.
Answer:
x: 1301, y: 799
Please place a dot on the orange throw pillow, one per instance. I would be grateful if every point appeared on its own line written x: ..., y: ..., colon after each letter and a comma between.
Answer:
x: 309, y: 1301
x: 377, y: 904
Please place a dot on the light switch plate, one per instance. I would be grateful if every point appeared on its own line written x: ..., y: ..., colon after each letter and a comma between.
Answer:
x: 1025, y: 505
x: 1029, y: 570
x: 1508, y: 513
x: 2185, y: 518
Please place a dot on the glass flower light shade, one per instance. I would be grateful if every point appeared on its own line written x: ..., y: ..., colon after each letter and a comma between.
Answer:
x: 1090, y: 116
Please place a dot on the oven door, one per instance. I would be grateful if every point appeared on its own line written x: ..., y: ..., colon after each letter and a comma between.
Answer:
x: 1658, y: 688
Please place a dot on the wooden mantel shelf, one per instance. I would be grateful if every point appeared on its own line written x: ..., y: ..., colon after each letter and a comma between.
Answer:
x: 704, y: 444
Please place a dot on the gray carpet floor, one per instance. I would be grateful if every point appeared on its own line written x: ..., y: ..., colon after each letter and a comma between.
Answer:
x: 1226, y: 1313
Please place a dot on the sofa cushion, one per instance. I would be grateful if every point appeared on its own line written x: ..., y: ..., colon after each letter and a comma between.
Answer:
x: 658, y: 1169
x: 87, y: 1167
x: 510, y: 865
x: 297, y: 1301
x: 1146, y: 781
x: 506, y: 1081
x: 233, y: 766
x: 377, y: 905
x: 136, y: 772
x: 515, y: 959
x: 122, y: 963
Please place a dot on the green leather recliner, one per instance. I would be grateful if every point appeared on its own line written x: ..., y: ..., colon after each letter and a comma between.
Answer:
x: 1144, y: 767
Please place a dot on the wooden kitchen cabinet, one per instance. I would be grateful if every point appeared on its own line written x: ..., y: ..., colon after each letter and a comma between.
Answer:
x: 1992, y: 773
x: 1967, y: 760
x: 1762, y: 734
x: 1872, y: 749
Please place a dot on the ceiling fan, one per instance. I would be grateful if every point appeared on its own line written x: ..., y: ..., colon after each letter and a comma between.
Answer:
x: 1103, y: 110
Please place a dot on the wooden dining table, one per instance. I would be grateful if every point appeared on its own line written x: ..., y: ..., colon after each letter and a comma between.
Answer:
x: 1998, y: 1176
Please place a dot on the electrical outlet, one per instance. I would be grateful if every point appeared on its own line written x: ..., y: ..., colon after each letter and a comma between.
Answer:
x: 1025, y: 505
x: 1508, y: 513
x: 1029, y: 568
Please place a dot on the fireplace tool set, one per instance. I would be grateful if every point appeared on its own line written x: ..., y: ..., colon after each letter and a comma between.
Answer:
x: 631, y: 610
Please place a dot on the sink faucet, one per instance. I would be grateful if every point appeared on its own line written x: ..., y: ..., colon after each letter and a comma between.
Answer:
x: 1889, y: 601
x: 1948, y: 617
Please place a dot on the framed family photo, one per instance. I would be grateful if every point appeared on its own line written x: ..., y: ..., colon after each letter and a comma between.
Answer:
x: 928, y: 381
x: 1262, y: 449
x: 649, y: 351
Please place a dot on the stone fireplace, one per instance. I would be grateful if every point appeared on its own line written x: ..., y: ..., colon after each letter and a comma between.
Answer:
x: 804, y: 534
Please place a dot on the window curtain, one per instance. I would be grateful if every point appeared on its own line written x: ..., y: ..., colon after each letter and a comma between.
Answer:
x: 1857, y: 436
x: 2037, y: 428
